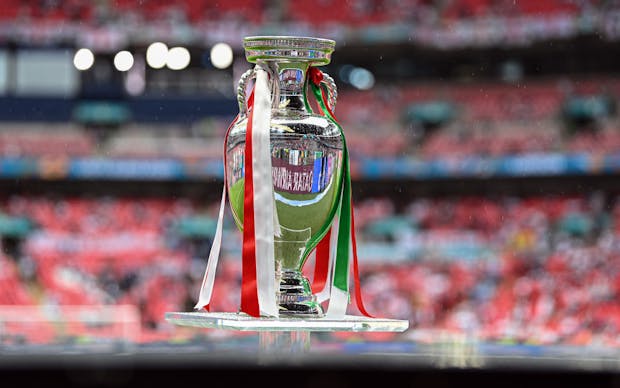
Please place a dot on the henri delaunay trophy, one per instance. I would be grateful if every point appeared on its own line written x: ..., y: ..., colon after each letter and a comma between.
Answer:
x: 288, y: 184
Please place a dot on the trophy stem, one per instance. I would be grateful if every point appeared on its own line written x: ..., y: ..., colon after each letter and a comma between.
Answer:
x: 295, y: 297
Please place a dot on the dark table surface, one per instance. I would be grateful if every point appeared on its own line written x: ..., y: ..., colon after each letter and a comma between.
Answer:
x: 325, y: 363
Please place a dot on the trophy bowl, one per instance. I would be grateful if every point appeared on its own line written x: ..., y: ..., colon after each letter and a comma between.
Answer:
x: 306, y: 161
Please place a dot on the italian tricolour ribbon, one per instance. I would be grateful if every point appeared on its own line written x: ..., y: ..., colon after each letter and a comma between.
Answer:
x: 258, y: 293
x: 258, y: 260
x: 345, y: 245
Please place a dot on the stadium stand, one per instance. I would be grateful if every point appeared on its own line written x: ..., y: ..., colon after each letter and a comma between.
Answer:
x: 492, y: 119
x: 473, y: 265
x: 538, y: 269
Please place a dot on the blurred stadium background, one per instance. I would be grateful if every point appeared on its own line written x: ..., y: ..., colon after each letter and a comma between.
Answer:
x: 485, y: 146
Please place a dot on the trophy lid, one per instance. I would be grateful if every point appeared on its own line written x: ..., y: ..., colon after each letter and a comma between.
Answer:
x: 290, y: 48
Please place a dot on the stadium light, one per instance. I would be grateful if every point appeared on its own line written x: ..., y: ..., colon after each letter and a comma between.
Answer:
x: 83, y: 59
x: 345, y: 72
x: 221, y: 55
x: 178, y: 58
x: 123, y: 60
x: 361, y: 78
x: 157, y: 55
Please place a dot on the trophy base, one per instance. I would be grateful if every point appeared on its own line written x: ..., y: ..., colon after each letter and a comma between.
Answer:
x: 295, y: 298
x: 244, y: 322
x: 284, y: 337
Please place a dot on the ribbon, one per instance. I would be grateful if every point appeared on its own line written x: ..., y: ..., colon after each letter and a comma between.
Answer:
x: 356, y: 272
x: 258, y: 265
x: 206, y: 288
x: 346, y: 243
x: 325, y: 261
x: 258, y: 293
x: 322, y: 264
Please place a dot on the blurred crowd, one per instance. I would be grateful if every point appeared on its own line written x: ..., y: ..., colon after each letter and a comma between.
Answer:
x: 438, y: 23
x: 541, y: 269
x: 436, y: 120
x: 552, y: 275
x: 356, y: 12
x: 547, y: 271
x: 426, y: 121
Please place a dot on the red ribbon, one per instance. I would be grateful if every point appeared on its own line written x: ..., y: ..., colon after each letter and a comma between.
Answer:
x: 321, y: 265
x: 249, y: 293
x: 230, y: 127
x: 316, y: 76
x: 356, y: 272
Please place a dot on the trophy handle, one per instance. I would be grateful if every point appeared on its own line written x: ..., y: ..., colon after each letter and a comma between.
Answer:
x: 251, y: 73
x: 241, y: 90
x: 332, y: 89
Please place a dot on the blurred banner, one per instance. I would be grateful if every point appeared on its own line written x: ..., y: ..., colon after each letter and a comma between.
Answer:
x: 543, y: 164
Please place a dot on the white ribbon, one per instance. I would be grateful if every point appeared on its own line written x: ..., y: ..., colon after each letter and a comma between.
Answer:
x: 206, y: 289
x: 333, y: 240
x: 263, y: 194
x: 339, y: 299
x: 265, y: 217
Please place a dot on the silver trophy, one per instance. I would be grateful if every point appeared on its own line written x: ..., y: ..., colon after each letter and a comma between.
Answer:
x: 307, y: 153
x: 306, y: 157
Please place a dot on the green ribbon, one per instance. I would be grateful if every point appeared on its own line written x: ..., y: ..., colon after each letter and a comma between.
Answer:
x: 341, y: 272
x: 312, y: 243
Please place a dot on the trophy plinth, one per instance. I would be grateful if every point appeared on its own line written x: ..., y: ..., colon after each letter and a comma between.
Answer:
x: 286, y: 336
x: 244, y: 322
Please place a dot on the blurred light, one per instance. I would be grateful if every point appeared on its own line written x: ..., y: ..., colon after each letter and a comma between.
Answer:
x: 178, y: 58
x: 83, y: 59
x: 345, y: 72
x: 157, y: 55
x: 361, y: 78
x: 511, y: 71
x: 135, y: 83
x: 123, y: 60
x: 221, y: 55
